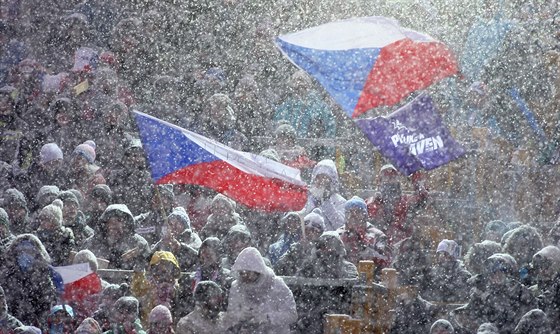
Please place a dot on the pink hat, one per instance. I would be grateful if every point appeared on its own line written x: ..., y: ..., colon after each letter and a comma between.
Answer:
x: 87, y: 150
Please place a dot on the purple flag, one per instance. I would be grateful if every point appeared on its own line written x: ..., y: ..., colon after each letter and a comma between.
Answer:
x: 413, y: 137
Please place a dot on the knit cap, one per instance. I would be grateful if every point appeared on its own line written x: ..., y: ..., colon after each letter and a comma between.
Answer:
x: 50, y: 152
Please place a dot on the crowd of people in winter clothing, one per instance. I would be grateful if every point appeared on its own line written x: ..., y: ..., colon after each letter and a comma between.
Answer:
x: 75, y: 187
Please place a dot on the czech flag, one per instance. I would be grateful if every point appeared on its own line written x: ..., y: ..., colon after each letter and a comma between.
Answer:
x: 368, y: 62
x: 80, y: 282
x: 180, y: 156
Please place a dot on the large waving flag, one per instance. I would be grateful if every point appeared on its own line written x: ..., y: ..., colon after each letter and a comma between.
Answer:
x: 368, y: 62
x: 413, y: 137
x: 180, y: 156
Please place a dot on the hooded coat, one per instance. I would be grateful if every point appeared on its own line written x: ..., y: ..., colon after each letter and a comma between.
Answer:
x: 129, y: 240
x: 332, y: 206
x: 534, y: 322
x: 32, y: 286
x: 218, y: 226
x: 267, y: 305
x: 16, y: 198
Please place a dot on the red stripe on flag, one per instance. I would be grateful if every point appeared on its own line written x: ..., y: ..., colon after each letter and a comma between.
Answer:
x: 253, y: 191
x: 402, y: 68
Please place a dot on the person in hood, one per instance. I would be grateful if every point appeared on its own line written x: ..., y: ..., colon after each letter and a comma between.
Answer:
x: 160, y: 321
x: 45, y: 196
x: 114, y: 137
x: 289, y: 152
x: 180, y: 239
x: 292, y: 231
x: 34, y: 285
x: 151, y: 224
x: 392, y: 210
x: 546, y: 268
x: 108, y: 298
x: 448, y: 276
x: 65, y: 128
x: 534, y: 322
x: 496, y: 297
x: 57, y: 239
x: 73, y: 217
x: 222, y: 217
x: 16, y: 207
x: 8, y: 323
x: 361, y: 239
x: 47, y: 169
x: 522, y: 244
x: 99, y: 199
x: 159, y: 286
x: 6, y: 236
x: 474, y: 259
x: 291, y: 261
x: 125, y: 317
x: 61, y: 320
x: 259, y: 301
x: 324, y: 193
x: 117, y: 242
x: 413, y: 314
x: 89, y: 326
x: 209, y: 268
x: 207, y: 316
x: 237, y: 239
x: 84, y: 174
x: 329, y: 262
x: 132, y: 182
x: 28, y: 330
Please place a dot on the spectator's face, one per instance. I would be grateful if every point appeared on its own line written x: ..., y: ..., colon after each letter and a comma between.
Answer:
x: 440, y: 331
x: 97, y: 204
x: 248, y: 277
x: 293, y: 225
x: 208, y: 256
x: 443, y: 258
x: 79, y: 162
x: 62, y: 118
x: 543, y: 268
x: 356, y: 220
x: 47, y: 222
x: 163, y: 272
x: 322, y: 181
x: 115, y: 229
x: 312, y: 233
x: 70, y: 211
x: 123, y: 316
x: 175, y: 226
x: 15, y: 212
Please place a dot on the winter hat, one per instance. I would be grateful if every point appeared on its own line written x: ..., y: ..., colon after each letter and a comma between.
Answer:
x: 127, y: 304
x: 53, y: 210
x: 89, y: 326
x: 356, y: 202
x: 14, y: 197
x: 534, y: 322
x: 502, y: 262
x: 206, y: 289
x: 163, y: 256
x: 50, y: 152
x: 219, y: 197
x: 86, y: 256
x: 28, y: 330
x: 388, y: 169
x: 285, y: 130
x: 4, y: 219
x: 161, y: 314
x: 487, y: 328
x: 87, y: 151
x: 85, y: 59
x: 442, y: 324
x: 181, y: 215
x: 46, y: 195
x: 102, y: 192
x: 250, y: 259
x: 66, y: 308
x: 68, y: 196
x: 78, y: 194
x: 448, y: 246
x: 315, y: 219
x: 496, y: 226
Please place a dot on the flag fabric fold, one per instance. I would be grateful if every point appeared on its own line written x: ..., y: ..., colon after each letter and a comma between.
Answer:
x: 179, y: 156
x: 368, y: 62
x: 413, y: 137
